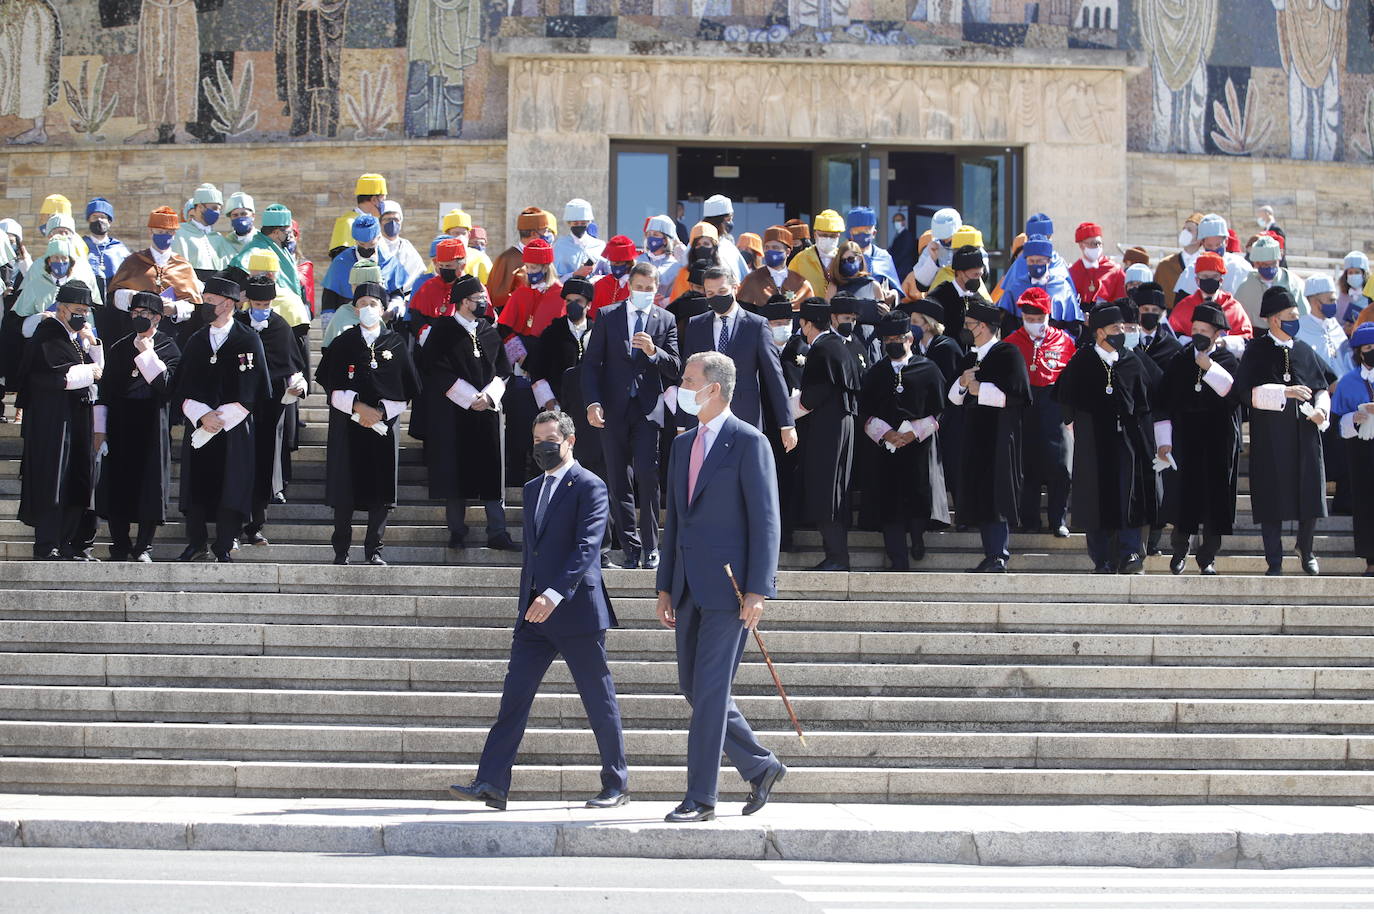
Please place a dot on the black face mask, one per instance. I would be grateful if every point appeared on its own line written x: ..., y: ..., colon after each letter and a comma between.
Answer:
x: 1209, y: 286
x: 366, y: 253
x: 1149, y: 320
x: 578, y: 231
x: 142, y: 324
x: 720, y: 303
x: 479, y: 309
x: 1368, y: 358
x: 98, y: 226
x: 77, y: 322
x: 207, y: 312
x: 966, y: 338
x: 1117, y: 341
x: 448, y: 274
x: 895, y: 350
x: 727, y: 226
x: 547, y: 454
x: 576, y: 311
x: 1202, y: 342
x: 973, y: 284
x: 844, y: 328
x: 705, y: 255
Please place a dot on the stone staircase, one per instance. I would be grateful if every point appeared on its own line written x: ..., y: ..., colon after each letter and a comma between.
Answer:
x: 284, y: 676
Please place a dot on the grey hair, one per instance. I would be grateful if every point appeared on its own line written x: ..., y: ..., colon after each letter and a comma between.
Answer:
x: 717, y: 368
x: 724, y: 273
x: 566, y: 428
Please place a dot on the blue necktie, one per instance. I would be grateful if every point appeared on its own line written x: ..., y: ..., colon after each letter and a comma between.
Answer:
x: 544, y: 493
x: 634, y: 378
x: 724, y: 334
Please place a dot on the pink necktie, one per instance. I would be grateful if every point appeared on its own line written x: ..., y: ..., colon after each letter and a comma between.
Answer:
x: 694, y: 465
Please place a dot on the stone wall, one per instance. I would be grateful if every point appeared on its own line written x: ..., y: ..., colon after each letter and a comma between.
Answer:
x: 314, y: 179
x: 1325, y: 208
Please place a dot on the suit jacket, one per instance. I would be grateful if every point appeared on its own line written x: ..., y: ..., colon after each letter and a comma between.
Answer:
x: 758, y: 368
x: 733, y: 519
x: 565, y: 555
x: 610, y: 364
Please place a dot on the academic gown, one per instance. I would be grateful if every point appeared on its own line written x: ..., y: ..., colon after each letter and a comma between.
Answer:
x: 956, y: 306
x: 1353, y: 391
x: 990, y: 472
x: 1287, y: 474
x: 272, y: 470
x: 830, y: 385
x: 58, y: 463
x: 793, y: 359
x: 558, y: 351
x: 136, y: 475
x: 463, y: 447
x: 1206, y: 444
x: 1114, y: 485
x: 907, y: 483
x: 219, y: 475
x: 361, y: 466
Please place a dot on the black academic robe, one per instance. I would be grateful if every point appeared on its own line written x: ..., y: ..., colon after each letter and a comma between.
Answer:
x: 785, y: 462
x: 907, y: 483
x: 793, y: 358
x: 1206, y: 444
x: 463, y: 447
x: 991, y: 471
x: 1164, y: 345
x: 861, y: 350
x: 219, y: 475
x: 1287, y: 471
x: 361, y: 466
x: 272, y: 466
x: 58, y: 463
x: 1114, y: 484
x: 558, y: 351
x: 830, y: 385
x: 136, y: 474
x: 946, y: 353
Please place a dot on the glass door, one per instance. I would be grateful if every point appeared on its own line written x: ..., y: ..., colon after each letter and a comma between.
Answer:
x: 841, y: 177
x: 989, y: 195
x: 641, y: 188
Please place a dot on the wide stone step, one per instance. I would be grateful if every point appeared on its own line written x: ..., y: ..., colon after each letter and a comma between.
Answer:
x: 660, y: 677
x: 577, y: 782
x: 659, y: 711
x: 648, y: 748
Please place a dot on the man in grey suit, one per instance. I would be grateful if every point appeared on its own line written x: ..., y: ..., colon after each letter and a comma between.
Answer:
x: 722, y: 509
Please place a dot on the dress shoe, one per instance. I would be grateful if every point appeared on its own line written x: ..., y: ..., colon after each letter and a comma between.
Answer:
x: 1310, y: 566
x: 456, y: 540
x: 193, y: 554
x: 502, y: 543
x: 1104, y: 568
x: 763, y: 787
x: 225, y: 559
x: 1178, y: 563
x: 831, y: 565
x: 691, y: 811
x: 257, y: 539
x: 1061, y: 532
x: 990, y: 565
x: 918, y: 552
x: 606, y: 561
x: 1274, y: 571
x: 651, y: 560
x: 341, y: 558
x: 629, y: 559
x: 376, y: 559
x: 52, y: 555
x: 1208, y: 569
x: 480, y: 791
x: 279, y: 498
x: 609, y: 799
x: 83, y: 555
x: 1132, y: 564
x: 236, y: 545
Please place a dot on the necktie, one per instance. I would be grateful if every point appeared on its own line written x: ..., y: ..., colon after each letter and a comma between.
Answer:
x: 694, y: 465
x: 544, y: 493
x: 639, y: 328
x: 724, y: 334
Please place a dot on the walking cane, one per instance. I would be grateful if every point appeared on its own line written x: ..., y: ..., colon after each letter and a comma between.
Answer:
x: 758, y: 639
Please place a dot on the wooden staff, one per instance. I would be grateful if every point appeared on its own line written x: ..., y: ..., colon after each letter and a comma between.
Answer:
x: 758, y: 639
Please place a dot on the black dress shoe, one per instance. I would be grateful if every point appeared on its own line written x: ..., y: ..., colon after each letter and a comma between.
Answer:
x: 502, y: 543
x: 763, y: 787
x: 193, y: 554
x: 606, y: 561
x: 1104, y: 568
x: 480, y: 791
x: 629, y: 559
x: 1274, y: 571
x: 1133, y: 564
x: 918, y: 552
x: 279, y: 498
x: 257, y: 539
x: 52, y: 555
x: 691, y: 811
x: 990, y: 565
x: 651, y: 560
x: 82, y: 556
x: 341, y: 558
x: 1208, y: 569
x: 1310, y: 566
x: 225, y: 559
x: 376, y: 559
x: 456, y: 540
x: 1178, y: 563
x: 609, y: 799
x: 829, y: 565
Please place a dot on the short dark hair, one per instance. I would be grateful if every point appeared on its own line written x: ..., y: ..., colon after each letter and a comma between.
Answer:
x: 820, y: 323
x: 719, y: 272
x: 566, y: 427
x: 363, y: 198
x: 643, y: 268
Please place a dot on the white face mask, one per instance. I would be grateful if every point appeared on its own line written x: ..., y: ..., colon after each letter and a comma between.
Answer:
x: 1185, y: 238
x: 687, y: 401
x: 1356, y: 282
x: 1262, y: 222
x: 782, y: 334
x: 827, y: 246
x: 1092, y: 255
x: 641, y: 300
x: 369, y: 316
x: 1036, y: 329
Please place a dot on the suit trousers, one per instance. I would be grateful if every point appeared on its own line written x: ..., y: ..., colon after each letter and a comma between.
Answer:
x: 1209, y: 544
x: 895, y: 537
x: 531, y: 653
x: 710, y: 644
x: 631, y: 448
x: 834, y: 541
x: 121, y: 546
x: 1048, y: 460
x: 455, y: 515
x: 1272, y: 533
x: 227, y: 526
x: 1101, y: 542
x: 59, y: 528
x: 342, y: 540
x: 996, y: 537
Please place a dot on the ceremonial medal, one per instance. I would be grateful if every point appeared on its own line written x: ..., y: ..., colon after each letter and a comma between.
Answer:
x: 1109, y: 388
x: 214, y: 357
x: 351, y: 369
x: 372, y: 364
x: 1197, y: 388
x: 529, y: 322
x: 386, y: 354
x: 1287, y: 377
x: 242, y: 365
x: 900, y: 388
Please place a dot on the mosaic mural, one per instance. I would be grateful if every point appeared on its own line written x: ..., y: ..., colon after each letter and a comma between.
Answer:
x: 1286, y: 78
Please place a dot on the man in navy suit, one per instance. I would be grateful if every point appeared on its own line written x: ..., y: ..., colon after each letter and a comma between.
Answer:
x: 748, y: 340
x: 722, y: 509
x: 564, y: 610
x: 630, y: 360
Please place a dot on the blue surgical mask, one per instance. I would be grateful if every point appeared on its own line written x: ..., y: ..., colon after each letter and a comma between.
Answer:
x: 916, y: 335
x: 1036, y: 270
x: 1132, y: 339
x: 162, y: 240
x: 391, y: 228
x: 59, y: 268
x: 1289, y: 327
x: 655, y: 244
x: 1268, y: 273
x: 211, y: 216
x: 259, y: 314
x: 863, y: 239
x: 1329, y: 309
x: 242, y: 225
x: 619, y: 269
x: 775, y: 259
x: 290, y: 247
x: 535, y: 277
x: 849, y: 267
x: 727, y: 226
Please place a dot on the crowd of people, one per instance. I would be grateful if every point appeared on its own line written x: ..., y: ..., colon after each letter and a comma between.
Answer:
x: 902, y: 389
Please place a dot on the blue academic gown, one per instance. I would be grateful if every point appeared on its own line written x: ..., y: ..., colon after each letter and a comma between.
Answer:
x: 1058, y: 283
x: 880, y: 263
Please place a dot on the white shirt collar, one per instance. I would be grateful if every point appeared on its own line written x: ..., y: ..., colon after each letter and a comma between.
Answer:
x: 728, y: 315
x: 715, y: 424
x: 576, y: 330
x: 779, y: 276
x: 219, y: 334
x: 370, y: 336
x: 159, y: 256
x: 1367, y: 373
x: 469, y: 326
x: 981, y: 351
x: 1283, y: 344
x: 1108, y: 357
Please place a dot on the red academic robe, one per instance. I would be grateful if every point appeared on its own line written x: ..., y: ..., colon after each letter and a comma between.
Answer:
x: 608, y: 291
x: 1088, y: 281
x: 529, y: 312
x: 1181, y: 318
